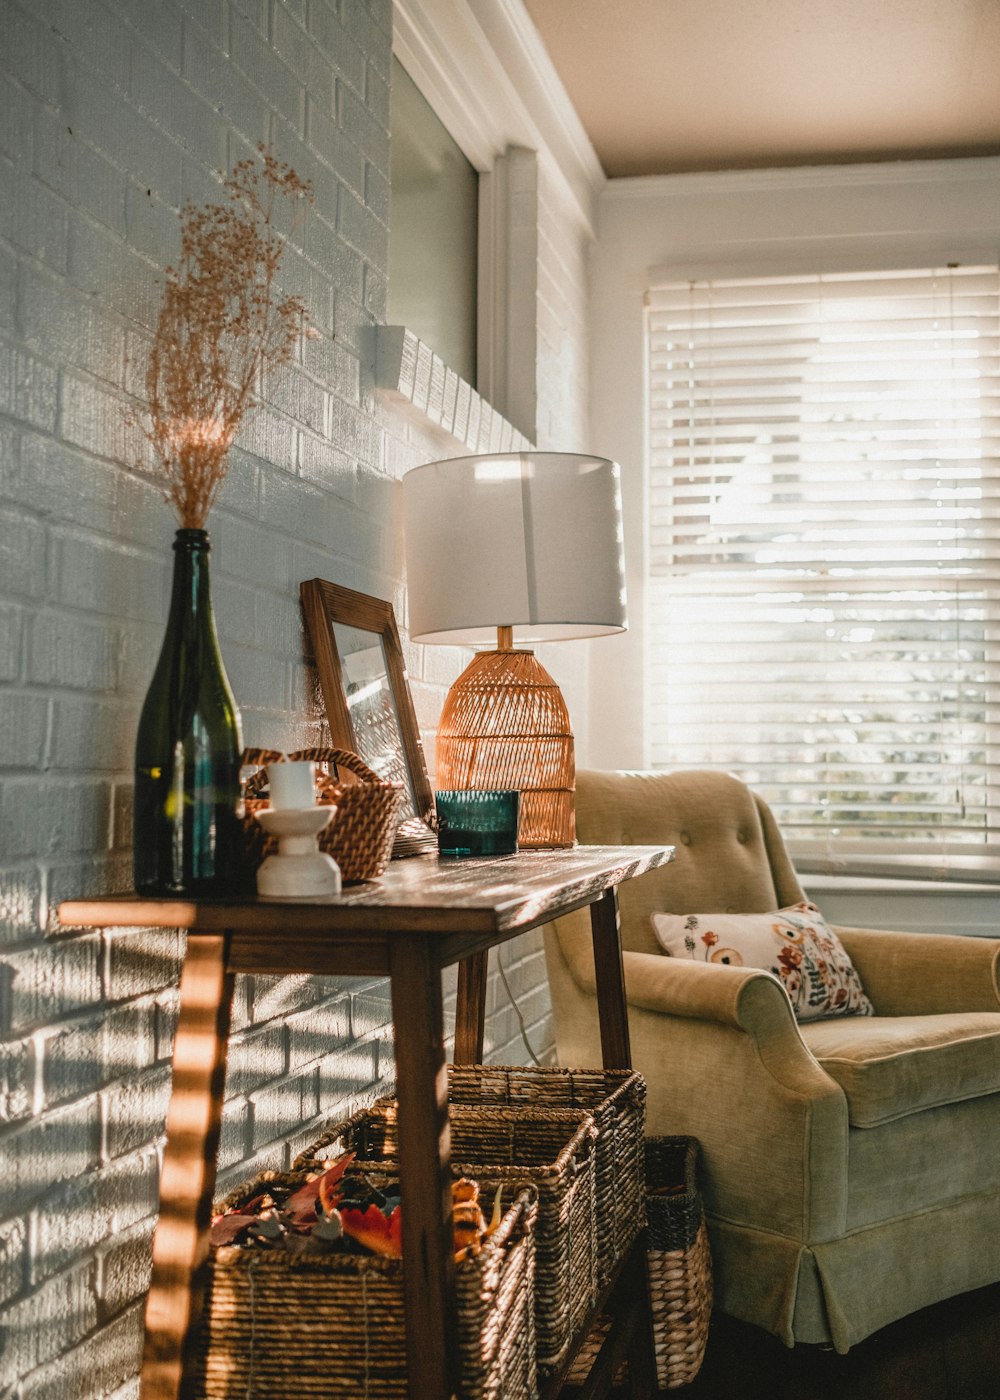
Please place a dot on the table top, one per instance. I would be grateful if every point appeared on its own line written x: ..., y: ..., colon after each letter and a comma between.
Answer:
x: 469, y: 898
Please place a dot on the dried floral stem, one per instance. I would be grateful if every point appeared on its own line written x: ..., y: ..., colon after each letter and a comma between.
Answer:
x: 221, y: 328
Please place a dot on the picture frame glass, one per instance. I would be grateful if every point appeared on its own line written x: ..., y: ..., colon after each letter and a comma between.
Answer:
x: 372, y: 707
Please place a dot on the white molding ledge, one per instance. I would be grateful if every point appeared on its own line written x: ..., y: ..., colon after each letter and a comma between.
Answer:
x: 409, y: 372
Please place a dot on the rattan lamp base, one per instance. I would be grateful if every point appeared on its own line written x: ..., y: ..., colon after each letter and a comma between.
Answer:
x: 505, y: 725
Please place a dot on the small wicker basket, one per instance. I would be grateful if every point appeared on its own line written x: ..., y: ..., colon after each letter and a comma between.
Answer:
x: 361, y: 833
x: 616, y: 1099
x: 680, y: 1266
x: 330, y: 1326
x: 554, y: 1150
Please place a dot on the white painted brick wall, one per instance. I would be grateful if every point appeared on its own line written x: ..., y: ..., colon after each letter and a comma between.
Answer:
x: 112, y: 113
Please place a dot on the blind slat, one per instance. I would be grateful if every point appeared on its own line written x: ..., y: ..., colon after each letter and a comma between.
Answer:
x: 824, y: 546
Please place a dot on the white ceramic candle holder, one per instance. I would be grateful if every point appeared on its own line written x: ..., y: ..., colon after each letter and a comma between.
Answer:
x: 292, y: 785
x: 299, y: 868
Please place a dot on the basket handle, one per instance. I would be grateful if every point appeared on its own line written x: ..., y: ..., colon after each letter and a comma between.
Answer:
x: 340, y: 758
x: 525, y: 1197
x: 260, y: 758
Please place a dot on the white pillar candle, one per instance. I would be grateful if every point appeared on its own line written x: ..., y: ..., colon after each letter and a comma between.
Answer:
x: 292, y: 785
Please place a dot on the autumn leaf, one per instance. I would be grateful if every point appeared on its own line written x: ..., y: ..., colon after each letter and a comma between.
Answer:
x: 228, y: 1228
x: 328, y: 1197
x: 377, y: 1232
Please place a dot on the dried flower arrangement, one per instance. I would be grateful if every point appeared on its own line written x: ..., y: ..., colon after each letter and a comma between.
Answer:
x: 221, y: 328
x: 332, y: 1210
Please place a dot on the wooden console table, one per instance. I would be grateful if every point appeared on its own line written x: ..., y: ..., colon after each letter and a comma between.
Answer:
x: 420, y: 917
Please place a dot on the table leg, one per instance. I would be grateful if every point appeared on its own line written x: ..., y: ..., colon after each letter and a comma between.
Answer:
x: 425, y: 1167
x: 617, y: 1052
x: 611, y: 1005
x: 470, y: 1009
x: 180, y: 1243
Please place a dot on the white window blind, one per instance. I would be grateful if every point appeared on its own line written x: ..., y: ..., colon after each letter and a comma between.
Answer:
x: 824, y: 550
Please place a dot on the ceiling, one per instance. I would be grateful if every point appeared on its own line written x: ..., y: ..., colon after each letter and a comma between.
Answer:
x: 663, y: 86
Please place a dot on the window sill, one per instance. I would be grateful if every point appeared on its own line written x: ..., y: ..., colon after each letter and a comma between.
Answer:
x: 408, y: 372
x: 817, y: 885
x: 970, y: 874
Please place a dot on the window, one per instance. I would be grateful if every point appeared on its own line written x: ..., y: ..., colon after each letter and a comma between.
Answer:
x: 434, y: 231
x: 824, y: 549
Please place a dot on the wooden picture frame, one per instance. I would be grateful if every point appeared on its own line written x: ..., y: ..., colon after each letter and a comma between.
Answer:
x: 359, y: 660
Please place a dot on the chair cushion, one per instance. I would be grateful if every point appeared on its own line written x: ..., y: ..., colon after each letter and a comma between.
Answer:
x: 796, y: 944
x: 890, y: 1066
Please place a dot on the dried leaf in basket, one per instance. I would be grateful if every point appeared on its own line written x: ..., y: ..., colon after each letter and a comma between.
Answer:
x: 332, y: 1209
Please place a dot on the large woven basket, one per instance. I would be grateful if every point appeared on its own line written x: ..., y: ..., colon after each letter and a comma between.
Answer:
x: 554, y: 1150
x: 616, y: 1099
x: 680, y: 1266
x: 363, y: 828
x: 330, y: 1326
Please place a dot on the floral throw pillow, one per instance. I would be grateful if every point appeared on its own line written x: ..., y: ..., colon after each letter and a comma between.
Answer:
x: 796, y: 944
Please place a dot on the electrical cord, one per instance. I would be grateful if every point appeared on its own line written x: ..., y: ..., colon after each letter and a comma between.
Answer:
x: 517, y: 1012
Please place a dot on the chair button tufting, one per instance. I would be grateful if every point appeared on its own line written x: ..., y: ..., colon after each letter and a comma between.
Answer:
x: 685, y: 838
x: 742, y: 837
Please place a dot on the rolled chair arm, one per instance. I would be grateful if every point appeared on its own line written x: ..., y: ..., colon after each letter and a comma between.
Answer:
x: 679, y: 987
x: 743, y: 998
x: 922, y: 974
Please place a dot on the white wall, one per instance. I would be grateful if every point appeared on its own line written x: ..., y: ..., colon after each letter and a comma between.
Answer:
x: 563, y: 417
x: 749, y: 223
x: 112, y: 113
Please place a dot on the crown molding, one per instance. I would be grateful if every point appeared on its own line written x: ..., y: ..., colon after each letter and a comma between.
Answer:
x: 902, y: 172
x: 484, y: 70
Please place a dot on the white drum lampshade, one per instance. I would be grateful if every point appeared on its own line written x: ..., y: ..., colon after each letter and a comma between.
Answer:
x: 513, y: 547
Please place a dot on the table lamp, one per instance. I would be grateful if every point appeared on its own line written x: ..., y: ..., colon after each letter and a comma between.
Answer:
x: 526, y: 546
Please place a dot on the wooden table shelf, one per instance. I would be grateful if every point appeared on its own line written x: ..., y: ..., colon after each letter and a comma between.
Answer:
x: 423, y: 915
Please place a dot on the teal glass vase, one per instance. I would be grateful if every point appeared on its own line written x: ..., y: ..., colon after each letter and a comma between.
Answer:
x: 187, y: 832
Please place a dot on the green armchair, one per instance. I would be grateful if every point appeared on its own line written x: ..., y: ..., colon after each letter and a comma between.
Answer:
x: 851, y: 1166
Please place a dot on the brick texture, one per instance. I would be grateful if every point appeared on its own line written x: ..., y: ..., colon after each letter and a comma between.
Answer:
x: 112, y: 114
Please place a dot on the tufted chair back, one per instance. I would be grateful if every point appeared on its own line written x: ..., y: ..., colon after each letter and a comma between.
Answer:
x: 730, y: 855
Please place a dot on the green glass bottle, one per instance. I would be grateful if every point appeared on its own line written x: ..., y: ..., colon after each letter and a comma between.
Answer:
x: 187, y: 835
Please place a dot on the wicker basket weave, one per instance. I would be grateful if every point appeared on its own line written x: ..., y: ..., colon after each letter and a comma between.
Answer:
x: 616, y: 1099
x: 330, y: 1326
x: 680, y: 1266
x: 554, y: 1150
x: 361, y: 834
